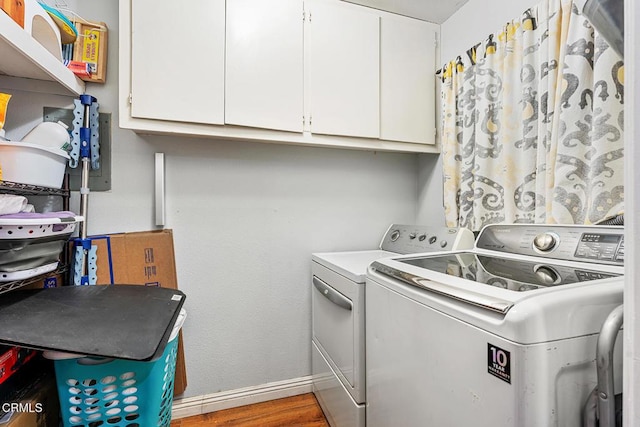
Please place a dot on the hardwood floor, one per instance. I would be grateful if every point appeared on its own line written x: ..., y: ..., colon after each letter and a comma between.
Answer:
x: 298, y: 411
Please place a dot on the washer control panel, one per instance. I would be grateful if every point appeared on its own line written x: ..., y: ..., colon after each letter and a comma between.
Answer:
x: 407, y: 239
x: 599, y: 244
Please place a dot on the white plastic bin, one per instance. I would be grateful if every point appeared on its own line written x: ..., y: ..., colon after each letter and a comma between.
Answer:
x: 32, y: 164
x: 49, y: 134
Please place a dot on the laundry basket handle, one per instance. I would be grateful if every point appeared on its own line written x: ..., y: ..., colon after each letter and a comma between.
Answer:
x: 90, y: 361
x: 604, y: 363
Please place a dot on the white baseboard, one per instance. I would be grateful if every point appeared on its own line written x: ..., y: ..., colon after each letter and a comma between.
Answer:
x: 198, y: 405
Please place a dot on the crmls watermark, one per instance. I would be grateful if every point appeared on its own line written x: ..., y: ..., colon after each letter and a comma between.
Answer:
x: 22, y: 407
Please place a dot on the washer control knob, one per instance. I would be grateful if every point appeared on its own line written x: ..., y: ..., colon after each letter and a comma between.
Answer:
x: 432, y: 239
x: 443, y: 244
x: 545, y: 242
x: 547, y: 275
x: 395, y: 234
x: 422, y: 237
x: 412, y: 236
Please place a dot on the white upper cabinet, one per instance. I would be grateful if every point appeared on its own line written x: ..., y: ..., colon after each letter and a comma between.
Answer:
x: 177, y: 60
x: 324, y: 73
x: 264, y: 64
x: 407, y: 79
x: 343, y: 57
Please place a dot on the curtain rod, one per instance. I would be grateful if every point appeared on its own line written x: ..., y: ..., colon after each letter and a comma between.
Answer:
x: 529, y: 17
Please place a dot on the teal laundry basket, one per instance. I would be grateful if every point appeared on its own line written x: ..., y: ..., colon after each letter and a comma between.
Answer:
x: 97, y: 392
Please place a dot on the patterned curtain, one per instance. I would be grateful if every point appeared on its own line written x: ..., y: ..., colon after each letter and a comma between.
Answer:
x: 532, y: 124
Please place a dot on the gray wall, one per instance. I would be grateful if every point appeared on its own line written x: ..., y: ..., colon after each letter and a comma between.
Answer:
x: 474, y: 21
x: 246, y: 217
x: 430, y: 207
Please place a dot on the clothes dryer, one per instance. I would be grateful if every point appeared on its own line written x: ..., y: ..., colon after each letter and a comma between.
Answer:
x: 338, y: 309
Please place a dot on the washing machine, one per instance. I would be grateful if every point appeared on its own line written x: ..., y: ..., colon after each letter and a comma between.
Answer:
x: 502, y: 335
x: 338, y: 315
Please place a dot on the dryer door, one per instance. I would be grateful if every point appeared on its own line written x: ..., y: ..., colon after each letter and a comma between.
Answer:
x: 338, y: 326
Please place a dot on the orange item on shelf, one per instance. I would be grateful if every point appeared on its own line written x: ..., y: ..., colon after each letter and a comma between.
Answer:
x: 4, y: 102
x: 15, y: 9
x: 79, y: 68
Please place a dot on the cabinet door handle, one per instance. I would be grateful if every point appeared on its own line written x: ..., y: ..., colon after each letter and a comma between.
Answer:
x: 332, y: 295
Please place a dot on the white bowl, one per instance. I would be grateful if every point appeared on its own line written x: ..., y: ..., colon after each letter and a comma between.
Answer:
x: 32, y: 164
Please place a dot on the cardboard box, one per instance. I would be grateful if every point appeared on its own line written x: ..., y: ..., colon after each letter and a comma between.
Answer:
x: 52, y: 280
x: 138, y: 258
x: 141, y: 258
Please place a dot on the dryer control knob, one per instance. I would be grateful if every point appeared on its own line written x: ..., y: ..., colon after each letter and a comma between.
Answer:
x: 432, y: 239
x: 443, y: 244
x: 395, y: 234
x: 545, y: 242
x: 422, y: 237
x: 412, y: 236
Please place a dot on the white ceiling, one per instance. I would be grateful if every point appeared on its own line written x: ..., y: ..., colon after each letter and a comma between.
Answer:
x: 428, y: 10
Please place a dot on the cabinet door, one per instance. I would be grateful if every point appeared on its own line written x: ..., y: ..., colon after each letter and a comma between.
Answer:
x: 343, y: 71
x: 177, y: 60
x: 407, y: 80
x: 264, y: 64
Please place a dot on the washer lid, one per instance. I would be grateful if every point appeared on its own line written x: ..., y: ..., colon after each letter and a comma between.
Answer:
x: 352, y: 265
x: 494, y: 282
x: 520, y: 275
x: 528, y: 316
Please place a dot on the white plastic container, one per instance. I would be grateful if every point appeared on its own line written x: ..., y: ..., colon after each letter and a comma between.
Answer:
x: 10, y: 276
x: 32, y: 164
x: 49, y: 134
x: 28, y: 244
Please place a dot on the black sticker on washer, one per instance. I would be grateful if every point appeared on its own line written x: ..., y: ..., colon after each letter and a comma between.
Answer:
x: 499, y: 363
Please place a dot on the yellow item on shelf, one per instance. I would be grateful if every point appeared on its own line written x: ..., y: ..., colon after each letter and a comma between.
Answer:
x: 68, y: 31
x: 90, y: 51
x: 68, y: 34
x: 90, y: 47
x: 4, y: 101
